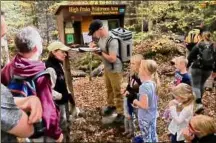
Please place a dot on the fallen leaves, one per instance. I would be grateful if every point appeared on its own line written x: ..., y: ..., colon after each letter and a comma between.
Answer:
x: 91, y: 96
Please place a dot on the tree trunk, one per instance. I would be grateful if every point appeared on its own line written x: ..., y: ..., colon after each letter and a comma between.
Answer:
x: 69, y: 80
x: 47, y: 25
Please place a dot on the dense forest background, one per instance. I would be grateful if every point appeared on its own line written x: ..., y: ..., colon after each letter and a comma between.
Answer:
x: 152, y: 16
x: 158, y: 32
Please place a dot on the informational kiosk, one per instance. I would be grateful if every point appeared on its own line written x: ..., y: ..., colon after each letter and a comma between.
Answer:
x: 73, y: 20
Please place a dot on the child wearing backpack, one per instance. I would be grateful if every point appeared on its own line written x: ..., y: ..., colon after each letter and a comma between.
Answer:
x: 181, y: 111
x: 147, y: 102
x: 130, y: 93
x: 202, y: 60
x: 25, y: 66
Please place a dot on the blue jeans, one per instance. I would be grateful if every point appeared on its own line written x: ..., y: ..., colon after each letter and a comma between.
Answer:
x: 199, y: 78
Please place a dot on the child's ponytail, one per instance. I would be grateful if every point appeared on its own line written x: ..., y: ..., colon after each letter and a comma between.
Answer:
x: 156, y: 79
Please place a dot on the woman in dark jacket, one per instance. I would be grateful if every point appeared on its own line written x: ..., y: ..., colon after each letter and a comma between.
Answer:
x: 54, y: 64
x: 202, y: 60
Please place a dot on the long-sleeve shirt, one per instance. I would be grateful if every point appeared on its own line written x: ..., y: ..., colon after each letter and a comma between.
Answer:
x: 180, y: 120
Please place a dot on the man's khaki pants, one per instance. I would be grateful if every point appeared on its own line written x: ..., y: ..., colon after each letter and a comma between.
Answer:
x: 113, y: 85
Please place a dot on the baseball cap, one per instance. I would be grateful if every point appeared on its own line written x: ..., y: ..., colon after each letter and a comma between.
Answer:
x: 57, y: 46
x: 94, y: 26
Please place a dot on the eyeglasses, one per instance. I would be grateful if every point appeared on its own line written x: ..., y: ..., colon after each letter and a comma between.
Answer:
x: 190, y: 126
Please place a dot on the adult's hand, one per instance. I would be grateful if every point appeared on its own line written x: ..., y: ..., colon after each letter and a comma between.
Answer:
x: 33, y: 105
x: 188, y: 136
x: 92, y: 45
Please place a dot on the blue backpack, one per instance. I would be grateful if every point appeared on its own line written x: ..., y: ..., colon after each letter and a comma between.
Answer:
x: 23, y: 87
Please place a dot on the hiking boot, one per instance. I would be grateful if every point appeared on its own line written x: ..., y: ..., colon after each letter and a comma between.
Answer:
x: 119, y: 119
x: 199, y: 108
x: 109, y: 110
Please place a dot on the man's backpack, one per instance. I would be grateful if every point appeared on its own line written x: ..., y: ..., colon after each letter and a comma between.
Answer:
x: 24, y: 87
x: 193, y: 36
x: 206, y: 55
x: 124, y: 38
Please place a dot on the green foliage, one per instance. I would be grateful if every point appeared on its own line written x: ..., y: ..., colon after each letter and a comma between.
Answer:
x: 175, y: 16
x: 84, y: 64
x: 141, y: 36
x: 17, y: 15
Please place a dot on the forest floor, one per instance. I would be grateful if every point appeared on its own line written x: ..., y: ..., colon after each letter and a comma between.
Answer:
x: 91, y: 96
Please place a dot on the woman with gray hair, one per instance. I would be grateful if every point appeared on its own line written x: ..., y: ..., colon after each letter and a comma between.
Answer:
x: 26, y: 64
x: 14, y: 120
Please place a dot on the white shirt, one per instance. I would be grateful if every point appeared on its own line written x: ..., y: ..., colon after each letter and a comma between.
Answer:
x: 180, y: 120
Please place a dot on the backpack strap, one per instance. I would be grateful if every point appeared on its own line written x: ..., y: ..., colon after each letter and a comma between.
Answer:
x: 119, y: 48
x: 40, y: 74
x: 35, y: 77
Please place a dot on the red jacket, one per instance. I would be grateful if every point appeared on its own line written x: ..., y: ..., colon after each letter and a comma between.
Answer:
x: 27, y: 68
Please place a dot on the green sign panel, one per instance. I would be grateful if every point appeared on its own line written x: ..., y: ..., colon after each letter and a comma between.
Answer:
x: 70, y: 38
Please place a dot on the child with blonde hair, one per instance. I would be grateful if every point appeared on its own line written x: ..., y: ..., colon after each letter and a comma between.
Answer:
x: 201, y: 129
x: 147, y: 102
x: 181, y: 111
x: 181, y: 74
x: 130, y: 93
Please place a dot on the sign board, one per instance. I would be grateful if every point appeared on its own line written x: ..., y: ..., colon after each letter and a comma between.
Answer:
x: 97, y: 10
x: 69, y: 38
x: 69, y: 30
